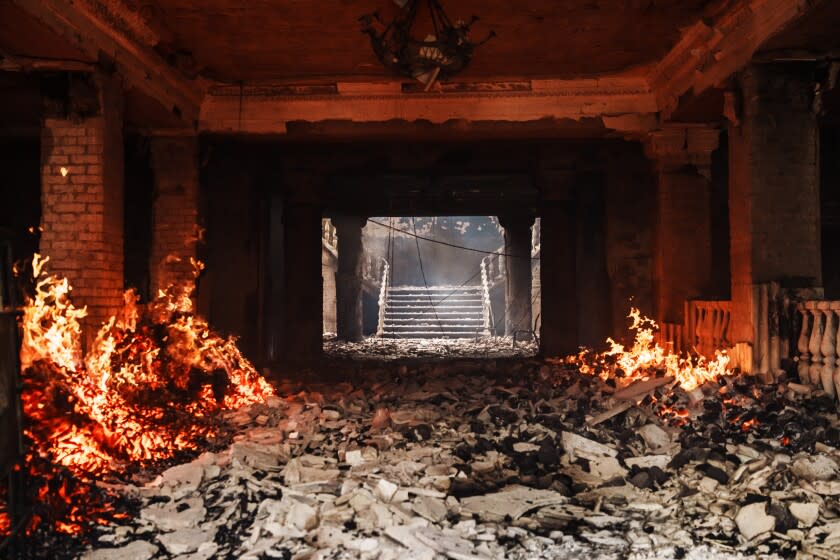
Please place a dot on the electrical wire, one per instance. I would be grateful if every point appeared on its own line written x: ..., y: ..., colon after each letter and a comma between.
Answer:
x: 430, y: 240
x: 417, y: 238
x: 423, y: 274
x: 524, y: 313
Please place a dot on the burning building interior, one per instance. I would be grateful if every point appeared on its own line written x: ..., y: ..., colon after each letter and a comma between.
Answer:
x: 421, y: 279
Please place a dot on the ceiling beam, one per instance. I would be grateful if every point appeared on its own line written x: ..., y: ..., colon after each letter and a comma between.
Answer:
x: 624, y: 103
x: 13, y: 63
x: 138, y: 64
x: 714, y: 48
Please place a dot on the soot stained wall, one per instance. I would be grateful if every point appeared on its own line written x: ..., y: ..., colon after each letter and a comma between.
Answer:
x: 236, y: 208
x: 830, y: 209
x: 20, y: 193
x: 630, y: 207
x: 138, y: 215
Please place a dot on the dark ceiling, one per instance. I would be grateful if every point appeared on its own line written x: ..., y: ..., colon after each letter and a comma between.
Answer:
x: 306, y: 40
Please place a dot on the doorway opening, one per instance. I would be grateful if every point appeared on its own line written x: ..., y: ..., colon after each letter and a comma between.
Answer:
x: 433, y: 287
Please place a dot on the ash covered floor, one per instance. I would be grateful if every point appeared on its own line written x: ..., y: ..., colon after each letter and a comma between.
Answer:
x: 503, y: 459
x: 401, y: 349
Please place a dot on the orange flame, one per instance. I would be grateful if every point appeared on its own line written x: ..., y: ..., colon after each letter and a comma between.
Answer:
x: 141, y: 392
x: 646, y: 357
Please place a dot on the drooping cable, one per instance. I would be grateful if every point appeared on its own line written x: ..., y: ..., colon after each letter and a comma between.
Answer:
x: 453, y: 245
x: 423, y: 274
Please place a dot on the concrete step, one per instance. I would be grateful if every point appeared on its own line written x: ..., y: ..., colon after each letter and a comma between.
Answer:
x: 441, y: 304
x: 433, y: 288
x: 427, y: 334
x: 432, y: 320
x: 424, y: 297
x: 434, y: 327
x: 434, y: 312
x: 411, y: 312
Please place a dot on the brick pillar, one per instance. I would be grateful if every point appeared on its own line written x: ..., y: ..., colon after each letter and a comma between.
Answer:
x: 82, y: 199
x: 683, y: 238
x: 558, y: 268
x: 348, y: 279
x: 774, y: 204
x: 518, y: 279
x: 303, y: 305
x: 175, y: 213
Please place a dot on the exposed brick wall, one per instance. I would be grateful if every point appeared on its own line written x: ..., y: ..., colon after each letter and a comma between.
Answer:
x: 175, y: 211
x: 82, y: 208
x: 774, y: 187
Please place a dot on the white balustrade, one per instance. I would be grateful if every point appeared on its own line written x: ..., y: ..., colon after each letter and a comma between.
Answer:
x: 804, y: 359
x: 486, y: 309
x: 383, y: 299
x: 835, y: 308
x: 707, y: 326
x: 814, y: 343
x: 827, y: 347
x: 819, y: 345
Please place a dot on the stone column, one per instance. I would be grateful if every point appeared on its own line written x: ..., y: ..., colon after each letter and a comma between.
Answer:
x: 82, y: 194
x: 630, y: 221
x: 175, y: 230
x: 774, y: 203
x: 518, y: 279
x: 683, y: 240
x: 348, y: 279
x: 558, y: 268
x: 303, y: 303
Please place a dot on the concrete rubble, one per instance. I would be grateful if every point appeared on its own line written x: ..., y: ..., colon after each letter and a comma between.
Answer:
x: 502, y: 465
x: 393, y: 349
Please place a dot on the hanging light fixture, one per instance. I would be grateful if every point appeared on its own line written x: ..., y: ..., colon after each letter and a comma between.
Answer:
x: 438, y: 56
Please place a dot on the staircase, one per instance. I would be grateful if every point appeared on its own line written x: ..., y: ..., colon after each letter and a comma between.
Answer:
x: 433, y: 312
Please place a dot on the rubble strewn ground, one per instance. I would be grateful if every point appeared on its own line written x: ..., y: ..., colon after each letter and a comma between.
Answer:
x: 503, y: 459
x: 436, y: 349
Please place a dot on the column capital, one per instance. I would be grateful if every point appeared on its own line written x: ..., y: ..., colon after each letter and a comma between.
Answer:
x: 343, y: 221
x: 679, y: 145
x: 513, y: 220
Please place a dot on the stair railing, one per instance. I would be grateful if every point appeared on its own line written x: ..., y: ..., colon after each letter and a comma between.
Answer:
x: 486, y: 307
x: 383, y: 297
x: 819, y: 345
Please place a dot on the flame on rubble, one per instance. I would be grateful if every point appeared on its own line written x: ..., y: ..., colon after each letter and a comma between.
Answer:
x: 645, y: 357
x: 144, y: 390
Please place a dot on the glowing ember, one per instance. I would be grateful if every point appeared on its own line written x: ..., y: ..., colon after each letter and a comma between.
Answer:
x: 646, y: 357
x: 144, y: 392
x: 5, y: 520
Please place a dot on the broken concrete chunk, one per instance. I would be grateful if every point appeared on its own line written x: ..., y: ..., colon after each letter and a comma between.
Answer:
x: 525, y: 447
x: 302, y: 516
x: 433, y: 509
x: 805, y: 513
x: 354, y: 457
x: 361, y: 501
x: 648, y: 461
x: 752, y: 520
x: 816, y: 467
x: 174, y: 516
x: 136, y: 550
x: 655, y: 437
x: 188, y: 475
x: 606, y: 468
x: 185, y: 540
x: 385, y: 490
x: 511, y: 503
x: 578, y: 446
